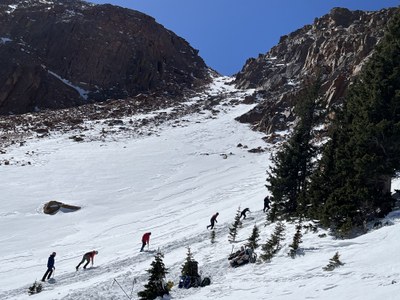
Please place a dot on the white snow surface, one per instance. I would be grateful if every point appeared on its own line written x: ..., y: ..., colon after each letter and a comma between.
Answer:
x: 4, y: 40
x: 83, y: 93
x: 169, y: 183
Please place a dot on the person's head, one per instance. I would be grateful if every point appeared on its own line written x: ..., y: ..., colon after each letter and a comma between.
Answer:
x: 53, y: 254
x: 217, y: 214
x: 149, y: 233
x: 96, y: 252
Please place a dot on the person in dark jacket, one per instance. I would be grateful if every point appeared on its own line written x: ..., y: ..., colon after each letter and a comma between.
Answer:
x: 243, y: 213
x: 213, y: 220
x: 266, y: 203
x: 50, y: 267
x: 88, y: 256
x: 145, y: 240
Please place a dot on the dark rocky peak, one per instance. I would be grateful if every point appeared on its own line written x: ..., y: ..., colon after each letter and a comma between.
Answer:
x: 339, y: 17
x: 57, y: 54
x: 334, y: 46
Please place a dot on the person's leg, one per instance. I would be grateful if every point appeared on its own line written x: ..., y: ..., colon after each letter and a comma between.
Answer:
x: 51, y: 272
x: 87, y: 262
x: 143, y: 244
x: 82, y: 261
x: 45, y: 274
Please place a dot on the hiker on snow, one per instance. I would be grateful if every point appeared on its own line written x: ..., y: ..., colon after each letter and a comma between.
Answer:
x: 213, y: 220
x: 88, y: 256
x: 50, y: 267
x: 266, y: 203
x: 145, y: 240
x: 243, y: 213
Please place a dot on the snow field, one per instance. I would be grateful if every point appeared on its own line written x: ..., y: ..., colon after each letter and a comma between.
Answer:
x: 169, y: 183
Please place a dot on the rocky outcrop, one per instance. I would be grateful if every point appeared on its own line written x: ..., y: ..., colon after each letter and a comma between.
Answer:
x: 334, y: 46
x: 52, y: 207
x: 57, y: 54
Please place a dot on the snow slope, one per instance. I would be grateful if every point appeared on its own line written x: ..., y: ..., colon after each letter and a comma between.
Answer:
x: 169, y: 183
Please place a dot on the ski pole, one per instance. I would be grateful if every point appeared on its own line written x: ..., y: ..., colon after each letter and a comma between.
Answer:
x: 115, y: 280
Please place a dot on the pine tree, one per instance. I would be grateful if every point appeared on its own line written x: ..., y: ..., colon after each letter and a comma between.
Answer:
x: 252, y: 241
x: 365, y: 152
x: 272, y: 215
x: 35, y: 288
x: 294, y: 246
x: 156, y: 286
x: 334, y: 262
x: 293, y: 163
x: 190, y: 266
x: 273, y: 245
x: 235, y: 226
x: 212, y: 236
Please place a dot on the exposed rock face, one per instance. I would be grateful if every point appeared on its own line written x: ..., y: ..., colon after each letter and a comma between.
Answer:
x: 57, y: 54
x: 335, y: 46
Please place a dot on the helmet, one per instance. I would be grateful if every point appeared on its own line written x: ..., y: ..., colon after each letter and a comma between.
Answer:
x: 53, y: 253
x: 96, y: 252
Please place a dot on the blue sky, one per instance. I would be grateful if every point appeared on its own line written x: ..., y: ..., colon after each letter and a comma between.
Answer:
x: 228, y: 32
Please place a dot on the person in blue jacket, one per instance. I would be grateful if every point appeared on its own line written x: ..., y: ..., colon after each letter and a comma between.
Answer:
x: 50, y: 267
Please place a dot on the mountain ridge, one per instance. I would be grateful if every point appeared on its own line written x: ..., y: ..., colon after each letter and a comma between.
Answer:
x: 334, y: 47
x: 60, y: 54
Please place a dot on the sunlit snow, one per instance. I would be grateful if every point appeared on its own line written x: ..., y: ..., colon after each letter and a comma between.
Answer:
x: 169, y: 183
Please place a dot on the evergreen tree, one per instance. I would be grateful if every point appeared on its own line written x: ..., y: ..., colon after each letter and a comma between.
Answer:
x: 35, y: 288
x: 323, y: 180
x: 156, y: 286
x: 273, y: 245
x: 272, y: 215
x: 334, y: 262
x: 190, y: 266
x: 365, y: 152
x: 212, y: 236
x: 292, y: 165
x: 235, y: 226
x: 252, y: 241
x: 294, y: 246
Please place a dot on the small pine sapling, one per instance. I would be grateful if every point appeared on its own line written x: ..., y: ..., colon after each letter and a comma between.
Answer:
x: 35, y: 288
x: 294, y: 246
x: 272, y: 215
x: 156, y: 286
x: 212, y: 236
x: 235, y: 226
x: 190, y: 266
x: 252, y: 241
x: 273, y: 245
x: 334, y: 262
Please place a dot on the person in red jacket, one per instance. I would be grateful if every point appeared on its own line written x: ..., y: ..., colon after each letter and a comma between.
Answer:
x: 145, y: 240
x: 213, y: 220
x: 88, y: 256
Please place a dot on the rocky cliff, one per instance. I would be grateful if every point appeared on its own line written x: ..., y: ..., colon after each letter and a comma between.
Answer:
x: 57, y: 54
x: 335, y: 46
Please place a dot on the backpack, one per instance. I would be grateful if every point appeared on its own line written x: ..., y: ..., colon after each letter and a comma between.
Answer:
x: 206, y: 281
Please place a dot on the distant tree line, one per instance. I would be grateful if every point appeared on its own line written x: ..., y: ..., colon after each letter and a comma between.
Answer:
x: 346, y: 181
